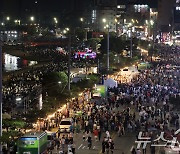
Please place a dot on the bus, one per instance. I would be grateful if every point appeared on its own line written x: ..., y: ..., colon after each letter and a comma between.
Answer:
x: 33, y: 143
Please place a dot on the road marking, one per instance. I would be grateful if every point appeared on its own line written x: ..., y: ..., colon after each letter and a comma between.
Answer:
x: 80, y: 146
x: 83, y: 147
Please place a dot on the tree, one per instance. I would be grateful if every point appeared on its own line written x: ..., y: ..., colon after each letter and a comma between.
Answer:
x: 93, y: 42
x: 116, y: 44
x: 80, y: 33
x: 54, y: 83
x: 10, y: 124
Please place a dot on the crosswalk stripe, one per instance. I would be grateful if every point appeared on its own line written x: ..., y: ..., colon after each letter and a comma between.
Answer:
x: 80, y: 146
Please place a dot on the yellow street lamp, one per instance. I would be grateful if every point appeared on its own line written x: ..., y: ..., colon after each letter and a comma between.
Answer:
x: 32, y: 18
x: 81, y: 19
x: 64, y: 31
x: 67, y: 29
x: 107, y: 26
x: 104, y: 20
x: 8, y: 18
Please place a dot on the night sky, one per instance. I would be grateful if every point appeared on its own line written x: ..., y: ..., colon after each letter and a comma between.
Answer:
x: 18, y: 7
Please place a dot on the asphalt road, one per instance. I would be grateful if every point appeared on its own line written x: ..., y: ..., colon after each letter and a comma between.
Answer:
x: 122, y: 144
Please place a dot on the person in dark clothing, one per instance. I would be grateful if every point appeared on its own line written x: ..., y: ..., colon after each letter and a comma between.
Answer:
x: 107, y: 147
x: 112, y: 147
x: 99, y: 135
x: 153, y: 150
x: 103, y: 145
x: 133, y: 151
x: 89, y: 142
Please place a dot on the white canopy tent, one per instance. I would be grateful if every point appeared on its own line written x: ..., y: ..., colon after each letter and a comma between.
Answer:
x: 110, y: 83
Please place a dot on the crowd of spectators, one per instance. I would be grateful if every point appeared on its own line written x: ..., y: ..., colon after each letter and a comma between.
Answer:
x: 143, y: 105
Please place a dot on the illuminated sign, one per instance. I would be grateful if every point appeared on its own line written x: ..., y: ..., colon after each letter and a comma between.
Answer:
x: 141, y: 8
x: 85, y: 55
x: 178, y: 8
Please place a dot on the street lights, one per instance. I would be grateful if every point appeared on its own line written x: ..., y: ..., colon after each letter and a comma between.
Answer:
x: 81, y: 19
x: 65, y: 31
x: 17, y: 22
x: 55, y: 20
x: 131, y: 42
x: 8, y: 18
x: 0, y: 95
x: 107, y: 26
x: 32, y: 18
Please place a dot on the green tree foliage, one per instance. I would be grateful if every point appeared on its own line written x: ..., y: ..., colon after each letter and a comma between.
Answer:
x: 80, y: 33
x: 116, y: 44
x: 54, y: 83
x: 10, y: 124
x: 93, y: 42
x: 55, y: 77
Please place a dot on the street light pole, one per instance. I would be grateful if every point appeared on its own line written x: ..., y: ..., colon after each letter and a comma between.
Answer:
x: 153, y: 42
x: 107, y: 26
x: 131, y: 44
x: 0, y: 94
x: 108, y: 49
x: 69, y: 63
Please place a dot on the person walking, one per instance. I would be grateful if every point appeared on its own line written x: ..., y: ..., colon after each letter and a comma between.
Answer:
x: 89, y: 142
x: 133, y: 150
x: 144, y: 150
x: 112, y: 146
x: 107, y: 147
x: 99, y: 135
x: 153, y: 150
x: 104, y: 145
x: 96, y: 134
x: 107, y: 134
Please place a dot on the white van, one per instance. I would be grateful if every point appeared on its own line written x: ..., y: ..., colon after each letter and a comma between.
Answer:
x: 65, y: 124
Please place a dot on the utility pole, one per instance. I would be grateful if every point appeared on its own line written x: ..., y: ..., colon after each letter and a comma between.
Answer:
x: 0, y: 95
x: 69, y: 63
x: 108, y: 49
x: 154, y: 35
x: 98, y: 66
x: 131, y: 45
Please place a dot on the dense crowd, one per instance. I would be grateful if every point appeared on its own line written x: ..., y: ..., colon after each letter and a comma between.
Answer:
x: 53, y: 54
x: 27, y: 84
x: 143, y: 105
x: 23, y: 84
